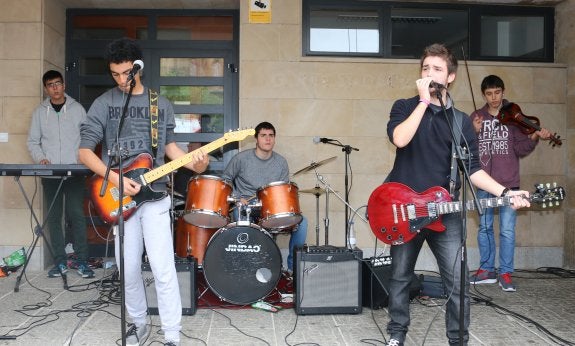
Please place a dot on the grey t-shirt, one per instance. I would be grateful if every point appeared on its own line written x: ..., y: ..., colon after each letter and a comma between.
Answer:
x: 102, y: 121
x: 248, y: 173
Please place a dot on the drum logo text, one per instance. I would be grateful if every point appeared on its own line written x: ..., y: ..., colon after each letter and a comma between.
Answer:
x: 243, y: 248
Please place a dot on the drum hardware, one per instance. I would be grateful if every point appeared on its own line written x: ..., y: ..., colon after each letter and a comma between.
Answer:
x: 329, y: 190
x: 318, y: 191
x: 314, y: 165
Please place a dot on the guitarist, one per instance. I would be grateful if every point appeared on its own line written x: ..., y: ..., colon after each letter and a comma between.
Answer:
x: 420, y: 132
x: 150, y: 224
x: 500, y: 148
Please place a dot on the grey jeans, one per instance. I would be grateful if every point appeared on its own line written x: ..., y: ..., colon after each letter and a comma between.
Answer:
x: 446, y: 248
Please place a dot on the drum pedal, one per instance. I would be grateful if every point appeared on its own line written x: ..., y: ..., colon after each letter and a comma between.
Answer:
x: 286, y: 297
x: 266, y: 306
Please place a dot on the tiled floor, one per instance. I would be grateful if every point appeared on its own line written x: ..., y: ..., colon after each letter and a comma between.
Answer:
x: 541, y: 312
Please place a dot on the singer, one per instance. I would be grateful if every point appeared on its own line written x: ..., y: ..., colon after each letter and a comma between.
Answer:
x: 150, y: 224
x: 419, y: 129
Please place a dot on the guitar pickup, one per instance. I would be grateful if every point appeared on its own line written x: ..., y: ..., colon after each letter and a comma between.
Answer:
x: 432, y: 210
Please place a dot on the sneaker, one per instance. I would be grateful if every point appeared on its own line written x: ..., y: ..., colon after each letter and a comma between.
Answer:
x: 505, y: 282
x: 84, y: 270
x: 58, y: 270
x: 136, y: 336
x: 394, y: 342
x: 483, y: 277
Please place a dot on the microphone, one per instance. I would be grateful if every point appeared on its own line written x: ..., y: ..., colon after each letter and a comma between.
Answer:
x: 138, y: 65
x: 317, y: 140
x: 436, y: 86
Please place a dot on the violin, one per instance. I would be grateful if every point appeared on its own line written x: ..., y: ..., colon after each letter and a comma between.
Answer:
x: 512, y: 114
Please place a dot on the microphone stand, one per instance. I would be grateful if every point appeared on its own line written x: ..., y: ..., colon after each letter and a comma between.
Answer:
x: 347, y: 149
x: 116, y: 151
x: 461, y: 155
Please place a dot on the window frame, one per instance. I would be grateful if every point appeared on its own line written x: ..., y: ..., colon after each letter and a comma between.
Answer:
x: 474, y: 12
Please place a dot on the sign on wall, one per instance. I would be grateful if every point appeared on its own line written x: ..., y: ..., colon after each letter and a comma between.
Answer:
x: 260, y: 11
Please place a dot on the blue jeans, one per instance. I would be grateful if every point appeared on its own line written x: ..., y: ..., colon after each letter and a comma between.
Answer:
x: 446, y: 248
x: 486, y: 237
x: 297, y: 237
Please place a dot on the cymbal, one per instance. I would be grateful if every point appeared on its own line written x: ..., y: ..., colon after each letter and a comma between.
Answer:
x: 314, y: 165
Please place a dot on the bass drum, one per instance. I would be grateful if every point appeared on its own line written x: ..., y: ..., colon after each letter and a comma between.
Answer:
x: 242, y: 264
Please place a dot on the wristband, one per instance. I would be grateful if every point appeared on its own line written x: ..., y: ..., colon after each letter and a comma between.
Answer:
x: 504, y: 192
x: 427, y: 102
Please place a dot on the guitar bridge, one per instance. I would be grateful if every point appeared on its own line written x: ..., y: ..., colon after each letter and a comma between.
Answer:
x: 417, y: 223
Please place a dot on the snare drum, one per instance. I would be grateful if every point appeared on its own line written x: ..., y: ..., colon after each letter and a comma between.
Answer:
x: 242, y: 264
x: 280, y: 205
x: 207, y: 201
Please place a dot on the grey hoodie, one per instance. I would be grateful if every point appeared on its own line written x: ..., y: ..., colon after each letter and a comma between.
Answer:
x: 56, y: 136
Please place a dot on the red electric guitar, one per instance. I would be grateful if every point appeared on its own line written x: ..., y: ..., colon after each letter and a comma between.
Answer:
x: 140, y: 171
x: 396, y: 213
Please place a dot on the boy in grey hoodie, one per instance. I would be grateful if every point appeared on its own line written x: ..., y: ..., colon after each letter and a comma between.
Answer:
x: 54, y: 138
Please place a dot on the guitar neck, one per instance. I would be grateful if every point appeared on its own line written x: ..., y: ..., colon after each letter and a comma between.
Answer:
x: 171, y: 166
x: 455, y: 207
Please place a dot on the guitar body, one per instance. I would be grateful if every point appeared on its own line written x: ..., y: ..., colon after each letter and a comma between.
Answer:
x: 107, y: 206
x: 396, y: 213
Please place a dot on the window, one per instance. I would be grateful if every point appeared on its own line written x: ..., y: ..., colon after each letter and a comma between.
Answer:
x: 402, y: 30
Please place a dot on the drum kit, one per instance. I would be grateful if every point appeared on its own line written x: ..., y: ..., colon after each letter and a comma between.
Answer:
x: 240, y: 260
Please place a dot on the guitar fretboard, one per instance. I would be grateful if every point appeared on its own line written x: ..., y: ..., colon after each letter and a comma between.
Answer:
x: 455, y: 207
x: 163, y: 170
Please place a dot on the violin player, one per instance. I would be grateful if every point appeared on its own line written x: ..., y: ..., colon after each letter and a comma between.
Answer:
x: 501, y: 145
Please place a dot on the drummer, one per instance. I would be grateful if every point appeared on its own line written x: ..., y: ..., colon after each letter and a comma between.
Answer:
x: 251, y: 169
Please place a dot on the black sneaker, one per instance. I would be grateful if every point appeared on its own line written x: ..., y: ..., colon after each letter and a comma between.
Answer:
x: 84, y: 270
x: 58, y: 270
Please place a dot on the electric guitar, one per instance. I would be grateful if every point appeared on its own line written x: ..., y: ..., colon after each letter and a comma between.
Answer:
x: 396, y: 213
x: 140, y: 171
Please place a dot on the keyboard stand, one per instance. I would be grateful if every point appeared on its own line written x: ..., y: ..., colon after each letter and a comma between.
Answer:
x: 38, y: 232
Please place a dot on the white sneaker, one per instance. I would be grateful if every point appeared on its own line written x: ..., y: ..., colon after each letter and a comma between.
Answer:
x: 394, y: 342
x: 136, y: 336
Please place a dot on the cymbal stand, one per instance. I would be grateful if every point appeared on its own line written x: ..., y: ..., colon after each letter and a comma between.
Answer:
x: 317, y: 194
x: 329, y: 189
x: 326, y: 219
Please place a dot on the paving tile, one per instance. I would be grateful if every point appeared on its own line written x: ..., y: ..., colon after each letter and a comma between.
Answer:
x: 92, y: 317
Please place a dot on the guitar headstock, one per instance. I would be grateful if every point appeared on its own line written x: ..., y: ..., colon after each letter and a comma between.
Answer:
x: 238, y: 135
x: 548, y: 194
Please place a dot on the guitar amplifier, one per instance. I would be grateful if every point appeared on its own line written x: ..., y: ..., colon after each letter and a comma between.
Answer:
x: 186, y: 272
x: 327, y: 280
x: 375, y: 276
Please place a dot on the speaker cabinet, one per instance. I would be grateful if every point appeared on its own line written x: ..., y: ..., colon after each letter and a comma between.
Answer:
x: 327, y: 280
x: 186, y: 272
x: 375, y: 279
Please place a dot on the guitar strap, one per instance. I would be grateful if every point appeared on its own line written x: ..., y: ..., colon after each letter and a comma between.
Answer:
x: 457, y: 123
x: 154, y: 120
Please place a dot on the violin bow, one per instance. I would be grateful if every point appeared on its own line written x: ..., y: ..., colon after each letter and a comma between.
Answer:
x: 468, y: 77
